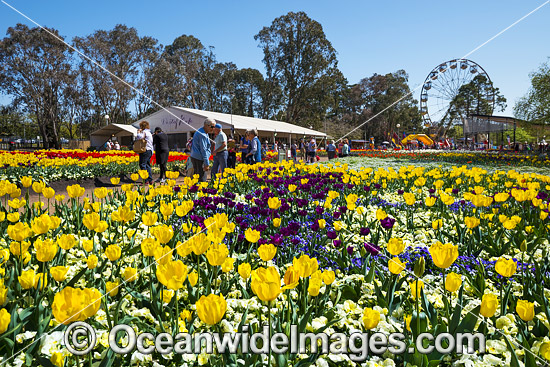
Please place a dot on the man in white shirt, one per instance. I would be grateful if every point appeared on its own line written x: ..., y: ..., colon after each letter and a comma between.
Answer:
x: 220, y: 151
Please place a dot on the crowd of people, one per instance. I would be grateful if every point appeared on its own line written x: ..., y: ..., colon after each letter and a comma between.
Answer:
x: 211, y: 140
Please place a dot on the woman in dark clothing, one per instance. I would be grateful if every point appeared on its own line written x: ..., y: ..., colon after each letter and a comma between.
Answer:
x: 162, y: 150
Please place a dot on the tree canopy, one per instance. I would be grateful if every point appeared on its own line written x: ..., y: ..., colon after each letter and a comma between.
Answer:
x: 535, y: 105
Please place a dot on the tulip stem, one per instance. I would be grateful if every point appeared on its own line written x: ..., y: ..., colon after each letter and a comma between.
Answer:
x: 416, y: 295
x: 269, y: 323
x: 177, y: 313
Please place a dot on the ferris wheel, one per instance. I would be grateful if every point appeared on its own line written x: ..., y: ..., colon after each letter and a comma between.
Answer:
x: 442, y: 85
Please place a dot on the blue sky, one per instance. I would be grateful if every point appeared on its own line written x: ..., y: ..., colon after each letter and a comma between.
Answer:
x: 369, y: 36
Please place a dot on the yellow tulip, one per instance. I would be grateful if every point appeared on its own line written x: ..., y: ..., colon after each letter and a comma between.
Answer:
x: 26, y: 181
x: 5, y: 319
x: 395, y: 246
x: 115, y: 180
x: 45, y: 250
x: 544, y: 350
x: 396, y: 266
x: 13, y: 217
x: 149, y: 218
x: 227, y: 265
x: 371, y: 318
x: 430, y: 201
x: 148, y: 246
x: 409, y: 198
x: 328, y: 277
x: 471, y: 222
x: 506, y: 267
x: 193, y: 278
x: 130, y: 274
x: 217, y: 254
x: 525, y: 310
x: 27, y: 279
x: 267, y: 252
x: 211, y: 309
x: 143, y: 174
x: 351, y: 201
x: 186, y: 315
x: 244, y: 270
x: 274, y: 203
x: 172, y: 274
x: 59, y: 273
x: 415, y: 292
x: 48, y: 192
x: 276, y: 222
x: 113, y: 252
x: 305, y: 266
x: 91, y: 220
x: 443, y: 255
x: 163, y: 233
x: 314, y: 287
x: 92, y: 261
x: 88, y: 245
x: 72, y: 304
x: 380, y: 214
x: 38, y: 186
x: 75, y: 191
x: 19, y: 231
x: 252, y: 235
x: 266, y: 283
x: 111, y: 288
x: 166, y: 209
x: 408, y: 322
x: 101, y: 192
x: 489, y: 304
x: 66, y: 241
x: 453, y: 282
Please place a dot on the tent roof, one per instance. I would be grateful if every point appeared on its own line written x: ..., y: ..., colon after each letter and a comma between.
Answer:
x: 245, y: 122
x: 115, y: 129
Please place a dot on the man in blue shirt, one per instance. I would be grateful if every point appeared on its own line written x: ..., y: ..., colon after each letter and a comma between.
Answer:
x: 255, y: 152
x: 200, y: 150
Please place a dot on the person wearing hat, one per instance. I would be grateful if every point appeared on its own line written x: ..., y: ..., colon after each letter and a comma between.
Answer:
x: 162, y: 151
x: 220, y: 151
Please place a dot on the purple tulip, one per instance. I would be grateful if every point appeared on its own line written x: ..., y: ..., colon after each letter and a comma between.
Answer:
x: 372, y: 248
x: 364, y: 231
x: 387, y: 222
x: 337, y: 243
x: 332, y: 235
x: 350, y: 250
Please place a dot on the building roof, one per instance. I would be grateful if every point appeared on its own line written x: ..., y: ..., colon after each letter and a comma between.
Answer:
x: 238, y: 122
x: 115, y: 129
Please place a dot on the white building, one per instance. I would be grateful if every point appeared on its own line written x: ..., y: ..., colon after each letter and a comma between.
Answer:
x: 180, y: 124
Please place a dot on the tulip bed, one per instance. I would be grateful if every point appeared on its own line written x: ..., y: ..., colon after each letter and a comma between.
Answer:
x: 326, y: 247
x: 476, y: 158
x: 65, y: 164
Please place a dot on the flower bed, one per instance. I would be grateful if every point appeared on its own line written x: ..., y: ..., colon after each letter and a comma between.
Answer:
x: 324, y: 247
x: 477, y: 158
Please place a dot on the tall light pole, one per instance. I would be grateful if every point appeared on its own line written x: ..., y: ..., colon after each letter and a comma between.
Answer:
x: 106, y: 120
x: 232, y: 128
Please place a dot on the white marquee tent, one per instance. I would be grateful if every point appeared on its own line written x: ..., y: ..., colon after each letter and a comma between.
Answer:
x: 179, y: 123
x: 125, y: 134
